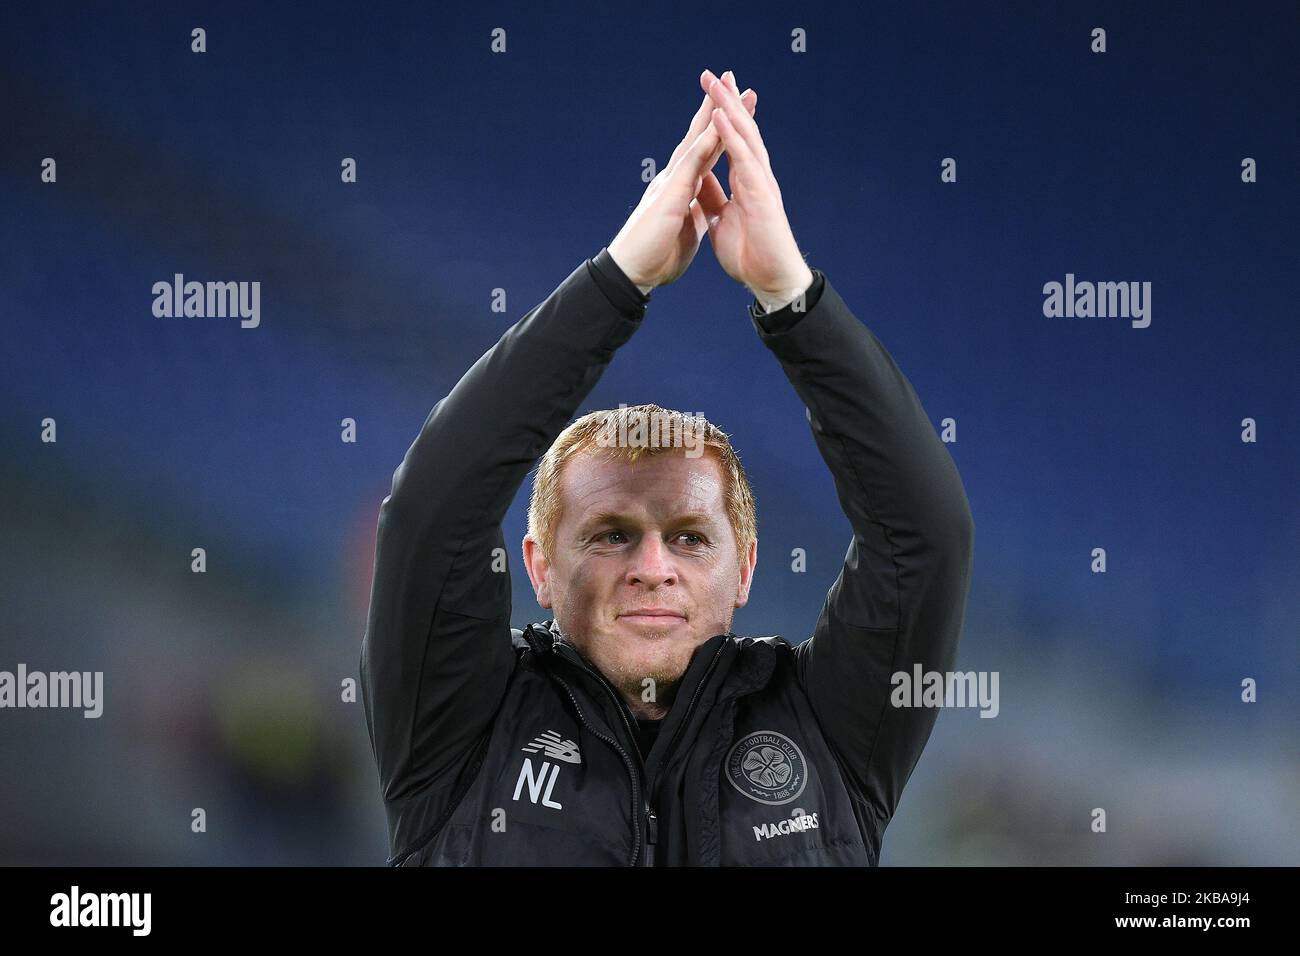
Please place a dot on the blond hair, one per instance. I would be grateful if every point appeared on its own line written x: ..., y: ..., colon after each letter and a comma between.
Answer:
x: 585, y: 434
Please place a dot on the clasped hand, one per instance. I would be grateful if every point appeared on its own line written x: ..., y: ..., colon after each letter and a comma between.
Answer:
x: 749, y: 232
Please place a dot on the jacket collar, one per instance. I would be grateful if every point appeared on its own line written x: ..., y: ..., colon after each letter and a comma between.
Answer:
x: 757, y: 657
x: 756, y: 664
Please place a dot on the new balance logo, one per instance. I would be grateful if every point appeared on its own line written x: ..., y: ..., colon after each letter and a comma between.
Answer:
x: 541, y: 781
x: 552, y: 746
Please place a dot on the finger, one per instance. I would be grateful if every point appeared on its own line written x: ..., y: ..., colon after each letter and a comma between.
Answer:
x: 727, y: 100
x: 745, y: 167
x: 698, y: 122
x: 730, y: 79
x: 687, y: 176
x: 750, y: 99
x: 707, y: 80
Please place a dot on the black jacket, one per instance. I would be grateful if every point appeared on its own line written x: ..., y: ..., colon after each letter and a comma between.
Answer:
x: 501, y: 746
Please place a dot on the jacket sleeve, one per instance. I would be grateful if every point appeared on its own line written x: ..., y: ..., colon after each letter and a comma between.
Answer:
x: 437, y: 652
x: 900, y: 597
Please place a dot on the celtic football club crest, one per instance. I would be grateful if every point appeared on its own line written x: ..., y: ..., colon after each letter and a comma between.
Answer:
x: 767, y: 767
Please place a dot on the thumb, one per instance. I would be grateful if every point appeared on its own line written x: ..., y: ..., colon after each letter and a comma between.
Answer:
x: 711, y: 197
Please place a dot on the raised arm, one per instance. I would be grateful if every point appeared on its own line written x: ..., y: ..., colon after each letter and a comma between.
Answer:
x: 437, y: 653
x: 900, y: 598
x: 437, y: 650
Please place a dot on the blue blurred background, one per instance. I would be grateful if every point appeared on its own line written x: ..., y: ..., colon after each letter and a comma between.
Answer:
x: 479, y: 170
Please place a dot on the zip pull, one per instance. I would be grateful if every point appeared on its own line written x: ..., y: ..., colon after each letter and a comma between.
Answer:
x: 652, y: 835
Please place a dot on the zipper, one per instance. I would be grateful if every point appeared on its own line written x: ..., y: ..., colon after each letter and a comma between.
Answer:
x: 652, y: 819
x: 681, y: 724
x: 652, y: 835
x: 637, y: 800
x: 641, y: 803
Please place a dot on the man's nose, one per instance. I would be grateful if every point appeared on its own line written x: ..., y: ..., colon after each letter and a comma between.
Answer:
x: 652, y: 563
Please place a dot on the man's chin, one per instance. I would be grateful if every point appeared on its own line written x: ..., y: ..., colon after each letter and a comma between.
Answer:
x: 656, y: 647
x: 662, y: 656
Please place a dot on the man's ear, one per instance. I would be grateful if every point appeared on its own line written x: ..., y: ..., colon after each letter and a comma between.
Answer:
x: 539, y: 570
x: 747, y: 574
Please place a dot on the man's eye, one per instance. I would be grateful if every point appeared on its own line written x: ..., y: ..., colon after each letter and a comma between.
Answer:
x: 691, y: 534
x: 605, y: 535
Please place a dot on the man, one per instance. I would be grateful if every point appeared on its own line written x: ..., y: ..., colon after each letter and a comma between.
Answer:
x: 634, y: 728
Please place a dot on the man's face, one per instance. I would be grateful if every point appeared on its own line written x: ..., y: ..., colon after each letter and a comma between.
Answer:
x: 647, y: 537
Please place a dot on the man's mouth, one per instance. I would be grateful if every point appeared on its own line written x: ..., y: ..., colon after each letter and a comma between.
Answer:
x: 654, y: 617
